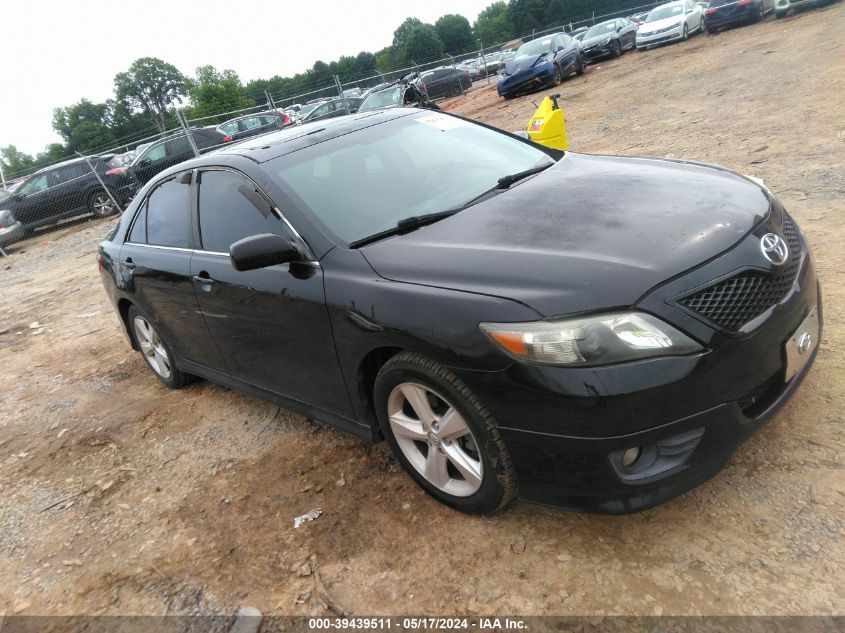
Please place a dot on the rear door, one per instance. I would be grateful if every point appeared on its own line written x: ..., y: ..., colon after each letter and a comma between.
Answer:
x: 33, y: 209
x: 271, y: 324
x: 155, y: 260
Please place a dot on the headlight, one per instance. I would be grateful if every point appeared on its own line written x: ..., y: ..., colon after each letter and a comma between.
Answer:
x: 605, y: 42
x: 6, y: 217
x: 586, y: 341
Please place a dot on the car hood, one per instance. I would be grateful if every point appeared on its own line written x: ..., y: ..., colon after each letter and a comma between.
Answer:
x: 661, y: 24
x: 591, y: 232
x: 516, y: 65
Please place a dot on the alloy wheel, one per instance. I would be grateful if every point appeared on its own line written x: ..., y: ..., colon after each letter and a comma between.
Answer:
x: 436, y: 440
x: 152, y: 347
x: 102, y: 205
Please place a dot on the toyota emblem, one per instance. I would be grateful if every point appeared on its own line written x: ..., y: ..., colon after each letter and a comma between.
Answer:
x: 774, y: 248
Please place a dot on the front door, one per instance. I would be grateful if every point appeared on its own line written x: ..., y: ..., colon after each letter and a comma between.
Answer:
x: 270, y: 324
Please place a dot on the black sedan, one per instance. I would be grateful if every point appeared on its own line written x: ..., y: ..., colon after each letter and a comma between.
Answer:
x: 332, y: 108
x: 477, y: 301
x: 253, y: 125
x: 609, y: 39
x: 445, y: 82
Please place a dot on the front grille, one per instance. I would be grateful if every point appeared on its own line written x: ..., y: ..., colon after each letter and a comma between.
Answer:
x: 735, y: 301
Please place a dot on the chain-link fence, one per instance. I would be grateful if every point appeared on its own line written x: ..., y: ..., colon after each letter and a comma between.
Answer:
x: 104, y: 181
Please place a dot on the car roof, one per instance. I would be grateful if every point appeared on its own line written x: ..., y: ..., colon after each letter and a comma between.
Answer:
x: 72, y: 161
x: 269, y: 146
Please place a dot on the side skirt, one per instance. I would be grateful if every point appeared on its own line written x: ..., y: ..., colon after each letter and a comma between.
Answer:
x: 312, y: 412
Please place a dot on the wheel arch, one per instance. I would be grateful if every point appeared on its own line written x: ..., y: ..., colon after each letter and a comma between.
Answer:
x: 123, y: 305
x: 368, y: 369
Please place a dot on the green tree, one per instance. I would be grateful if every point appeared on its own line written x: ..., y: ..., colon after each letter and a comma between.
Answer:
x: 213, y: 92
x: 365, y: 64
x: 493, y: 25
x: 423, y: 44
x: 400, y: 35
x: 15, y: 162
x: 151, y: 85
x: 66, y: 120
x: 89, y: 136
x: 455, y: 33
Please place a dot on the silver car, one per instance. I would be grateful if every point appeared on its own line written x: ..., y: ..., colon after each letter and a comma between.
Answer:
x: 670, y: 22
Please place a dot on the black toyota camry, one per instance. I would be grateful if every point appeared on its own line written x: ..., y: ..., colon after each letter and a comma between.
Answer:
x: 489, y: 307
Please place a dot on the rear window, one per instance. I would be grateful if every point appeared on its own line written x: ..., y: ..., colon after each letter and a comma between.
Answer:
x: 168, y: 215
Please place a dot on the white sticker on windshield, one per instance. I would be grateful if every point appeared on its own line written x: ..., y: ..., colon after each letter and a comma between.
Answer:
x: 441, y: 121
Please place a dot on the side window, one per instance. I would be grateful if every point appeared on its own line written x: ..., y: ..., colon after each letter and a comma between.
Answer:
x: 64, y: 174
x: 268, y: 120
x: 252, y: 123
x: 229, y: 128
x: 178, y: 146
x: 565, y: 41
x: 138, y: 234
x: 230, y: 208
x: 169, y: 215
x: 34, y: 185
x: 155, y: 153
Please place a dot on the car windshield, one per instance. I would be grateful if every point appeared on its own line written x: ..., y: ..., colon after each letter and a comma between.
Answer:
x: 532, y: 49
x: 666, y: 11
x: 600, y: 29
x: 361, y: 184
x: 389, y: 97
x: 4, y: 195
x: 308, y: 109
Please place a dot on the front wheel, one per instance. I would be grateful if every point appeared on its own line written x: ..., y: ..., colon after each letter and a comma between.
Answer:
x: 443, y: 435
x: 557, y: 77
x: 617, y: 49
x: 101, y: 205
x: 686, y: 33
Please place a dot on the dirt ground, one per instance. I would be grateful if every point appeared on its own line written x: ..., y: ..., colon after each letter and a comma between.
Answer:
x: 118, y: 496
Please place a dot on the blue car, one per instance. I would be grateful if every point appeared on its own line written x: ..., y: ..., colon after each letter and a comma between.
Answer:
x: 542, y: 62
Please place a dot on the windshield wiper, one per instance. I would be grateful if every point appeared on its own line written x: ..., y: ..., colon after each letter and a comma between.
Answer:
x: 416, y: 221
x: 506, y: 181
x: 406, y: 224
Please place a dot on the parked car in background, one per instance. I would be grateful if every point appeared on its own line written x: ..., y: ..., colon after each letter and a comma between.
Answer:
x: 671, y: 22
x: 541, y: 62
x: 62, y: 191
x: 609, y: 39
x: 488, y: 306
x: 578, y: 33
x: 406, y: 91
x: 332, y: 108
x: 782, y: 7
x: 252, y: 125
x: 445, y: 82
x: 722, y: 13
x: 170, y: 151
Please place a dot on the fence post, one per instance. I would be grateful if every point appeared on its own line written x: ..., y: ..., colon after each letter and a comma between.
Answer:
x: 340, y: 93
x: 270, y: 103
x: 2, y: 175
x: 181, y: 117
x: 100, y: 180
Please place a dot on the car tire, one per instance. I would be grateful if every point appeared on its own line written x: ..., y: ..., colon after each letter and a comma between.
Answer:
x: 155, y: 350
x: 581, y: 68
x: 759, y: 15
x: 463, y: 463
x: 456, y: 91
x: 617, y: 49
x: 686, y: 33
x: 101, y: 205
x: 557, y: 76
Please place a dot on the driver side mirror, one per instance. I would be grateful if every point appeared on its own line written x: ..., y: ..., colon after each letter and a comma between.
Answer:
x: 261, y: 251
x: 18, y: 197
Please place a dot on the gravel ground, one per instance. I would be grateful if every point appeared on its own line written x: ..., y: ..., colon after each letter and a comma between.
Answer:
x: 118, y: 496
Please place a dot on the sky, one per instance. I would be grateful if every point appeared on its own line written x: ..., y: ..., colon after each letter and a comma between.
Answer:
x: 57, y: 52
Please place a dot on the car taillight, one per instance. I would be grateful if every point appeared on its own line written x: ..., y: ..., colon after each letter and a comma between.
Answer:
x: 116, y: 171
x: 227, y: 138
x: 285, y: 119
x: 744, y: 3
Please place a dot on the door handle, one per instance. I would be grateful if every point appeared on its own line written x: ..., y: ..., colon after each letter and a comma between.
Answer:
x: 128, y: 263
x: 204, y: 278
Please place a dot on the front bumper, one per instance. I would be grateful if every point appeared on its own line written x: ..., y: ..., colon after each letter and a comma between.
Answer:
x: 11, y: 234
x: 566, y: 428
x: 525, y: 80
x: 671, y: 35
x: 598, y: 52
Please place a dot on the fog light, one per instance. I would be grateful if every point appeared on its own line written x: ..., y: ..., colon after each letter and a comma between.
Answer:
x: 630, y: 456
